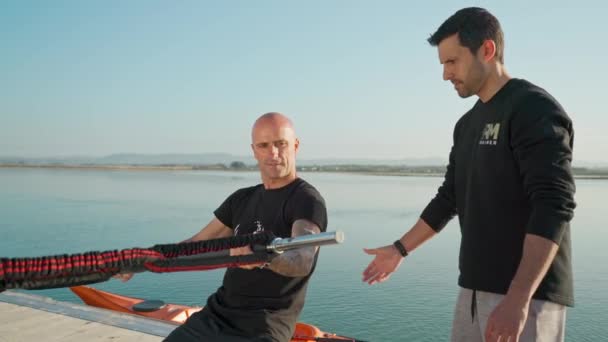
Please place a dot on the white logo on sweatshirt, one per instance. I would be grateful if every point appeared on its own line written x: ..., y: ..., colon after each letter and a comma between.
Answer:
x: 490, y: 134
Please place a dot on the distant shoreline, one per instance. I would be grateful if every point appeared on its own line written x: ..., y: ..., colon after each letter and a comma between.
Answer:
x: 371, y: 170
x: 99, y: 167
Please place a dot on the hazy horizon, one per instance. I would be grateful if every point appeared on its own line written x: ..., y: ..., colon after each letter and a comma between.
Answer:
x: 222, y: 157
x: 85, y: 155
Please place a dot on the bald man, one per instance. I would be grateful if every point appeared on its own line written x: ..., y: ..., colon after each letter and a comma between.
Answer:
x: 262, y: 302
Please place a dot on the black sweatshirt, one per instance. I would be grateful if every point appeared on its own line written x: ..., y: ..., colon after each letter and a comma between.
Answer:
x: 509, y: 175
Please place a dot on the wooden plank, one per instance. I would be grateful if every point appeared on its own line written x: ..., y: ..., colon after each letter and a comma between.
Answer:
x: 30, y: 318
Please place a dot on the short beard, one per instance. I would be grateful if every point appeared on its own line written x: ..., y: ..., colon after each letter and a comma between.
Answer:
x: 474, y: 80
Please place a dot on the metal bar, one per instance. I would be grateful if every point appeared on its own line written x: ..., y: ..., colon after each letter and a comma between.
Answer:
x: 280, y: 245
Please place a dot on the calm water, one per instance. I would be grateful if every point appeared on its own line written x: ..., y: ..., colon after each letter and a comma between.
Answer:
x: 45, y: 212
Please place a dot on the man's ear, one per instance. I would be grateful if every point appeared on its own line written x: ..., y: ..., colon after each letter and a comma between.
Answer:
x: 488, y: 49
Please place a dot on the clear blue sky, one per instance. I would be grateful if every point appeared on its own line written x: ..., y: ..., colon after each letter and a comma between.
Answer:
x: 357, y: 77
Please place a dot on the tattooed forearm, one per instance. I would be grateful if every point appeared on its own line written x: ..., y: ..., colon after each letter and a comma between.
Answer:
x: 294, y: 263
x: 297, y: 262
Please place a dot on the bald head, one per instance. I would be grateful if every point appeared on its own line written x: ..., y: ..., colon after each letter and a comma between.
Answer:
x: 274, y: 144
x: 272, y: 119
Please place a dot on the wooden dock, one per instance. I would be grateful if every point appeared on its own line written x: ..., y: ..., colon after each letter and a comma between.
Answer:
x: 26, y: 317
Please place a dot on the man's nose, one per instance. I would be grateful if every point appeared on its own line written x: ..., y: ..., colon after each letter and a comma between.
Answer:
x: 447, y: 75
x: 274, y: 150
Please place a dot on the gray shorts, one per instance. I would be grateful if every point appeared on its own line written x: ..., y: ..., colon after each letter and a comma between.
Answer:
x: 546, y: 320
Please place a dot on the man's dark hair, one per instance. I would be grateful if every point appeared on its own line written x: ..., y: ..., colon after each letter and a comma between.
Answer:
x: 474, y: 25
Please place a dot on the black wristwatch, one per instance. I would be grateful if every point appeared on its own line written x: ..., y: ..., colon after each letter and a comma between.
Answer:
x: 400, y: 248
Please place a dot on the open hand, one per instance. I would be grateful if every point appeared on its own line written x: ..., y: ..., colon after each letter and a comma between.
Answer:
x: 387, y: 260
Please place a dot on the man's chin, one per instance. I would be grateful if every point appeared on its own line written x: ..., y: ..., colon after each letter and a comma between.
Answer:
x: 276, y: 173
x: 464, y: 95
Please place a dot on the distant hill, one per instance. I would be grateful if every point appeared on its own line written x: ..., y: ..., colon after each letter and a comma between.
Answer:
x: 368, y: 161
x: 135, y: 159
x: 176, y: 159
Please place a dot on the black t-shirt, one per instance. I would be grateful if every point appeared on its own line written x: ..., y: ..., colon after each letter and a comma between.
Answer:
x: 260, y: 302
x: 510, y: 175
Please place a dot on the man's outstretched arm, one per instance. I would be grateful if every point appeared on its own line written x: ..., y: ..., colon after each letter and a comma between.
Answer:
x: 215, y: 229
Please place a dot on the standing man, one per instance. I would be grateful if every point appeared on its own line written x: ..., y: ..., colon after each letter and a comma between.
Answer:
x: 509, y: 180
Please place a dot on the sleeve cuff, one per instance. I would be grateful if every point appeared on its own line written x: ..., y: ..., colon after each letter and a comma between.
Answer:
x: 548, y: 225
x: 224, y: 221
x: 437, y: 215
